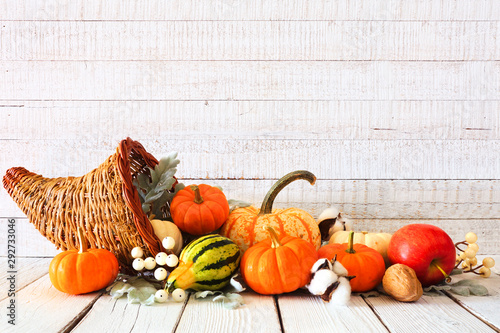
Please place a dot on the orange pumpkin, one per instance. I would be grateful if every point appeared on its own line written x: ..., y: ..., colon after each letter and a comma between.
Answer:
x: 276, y: 266
x: 199, y: 209
x: 79, y: 272
x: 361, y: 261
x: 246, y: 226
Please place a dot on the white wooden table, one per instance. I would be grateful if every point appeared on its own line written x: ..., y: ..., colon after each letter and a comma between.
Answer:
x: 41, y: 308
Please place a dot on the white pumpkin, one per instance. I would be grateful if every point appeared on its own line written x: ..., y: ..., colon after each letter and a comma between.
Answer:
x: 164, y: 229
x: 377, y: 241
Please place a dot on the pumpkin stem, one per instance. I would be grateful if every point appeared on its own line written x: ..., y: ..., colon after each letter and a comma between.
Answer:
x: 274, y: 237
x: 197, y: 196
x: 350, y: 243
x: 267, y: 204
x: 82, y: 240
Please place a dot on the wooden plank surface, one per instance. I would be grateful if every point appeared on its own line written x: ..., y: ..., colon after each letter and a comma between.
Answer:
x: 111, y: 121
x: 26, y: 271
x: 485, y: 308
x: 42, y: 308
x: 109, y: 315
x: 259, y: 314
x: 231, y: 40
x: 256, y: 10
x: 428, y: 314
x: 311, y: 314
x: 249, y: 80
x: 475, y: 160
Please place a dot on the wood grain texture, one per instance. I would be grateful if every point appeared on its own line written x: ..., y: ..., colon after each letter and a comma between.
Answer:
x: 428, y: 314
x: 259, y: 314
x: 27, y: 271
x: 249, y: 80
x: 235, y: 40
x: 271, y: 159
x: 42, y: 308
x: 110, y: 315
x: 112, y: 121
x: 324, y: 317
x: 255, y: 10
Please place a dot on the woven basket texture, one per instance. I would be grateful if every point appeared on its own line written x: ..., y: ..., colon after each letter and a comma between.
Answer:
x: 104, y: 203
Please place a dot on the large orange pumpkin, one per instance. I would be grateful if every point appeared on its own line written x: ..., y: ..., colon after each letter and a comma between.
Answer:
x: 79, y: 272
x: 199, y: 209
x: 276, y: 266
x: 361, y: 261
x: 247, y: 226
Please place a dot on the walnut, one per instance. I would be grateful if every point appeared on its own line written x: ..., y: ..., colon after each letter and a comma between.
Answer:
x: 400, y: 281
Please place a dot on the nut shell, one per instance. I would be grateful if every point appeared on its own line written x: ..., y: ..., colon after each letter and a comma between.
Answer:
x: 401, y: 282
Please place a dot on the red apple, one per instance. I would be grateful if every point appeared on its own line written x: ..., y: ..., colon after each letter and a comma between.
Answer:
x: 425, y: 248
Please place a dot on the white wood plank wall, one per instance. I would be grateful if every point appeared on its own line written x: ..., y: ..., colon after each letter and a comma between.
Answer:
x: 394, y: 105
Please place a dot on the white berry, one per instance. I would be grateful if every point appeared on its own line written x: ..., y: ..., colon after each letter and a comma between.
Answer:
x: 138, y: 264
x: 488, y: 262
x: 168, y: 243
x: 179, y: 295
x: 161, y: 296
x: 472, y: 261
x: 470, y: 237
x: 172, y: 260
x: 137, y: 252
x: 485, y: 272
x: 473, y: 247
x: 470, y: 253
x: 149, y: 263
x: 160, y: 274
x: 160, y: 258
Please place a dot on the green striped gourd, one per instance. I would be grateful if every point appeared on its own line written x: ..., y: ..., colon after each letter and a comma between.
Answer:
x: 206, y: 263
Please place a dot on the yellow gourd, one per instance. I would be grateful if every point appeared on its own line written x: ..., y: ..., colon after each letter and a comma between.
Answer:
x: 164, y: 229
x: 376, y: 241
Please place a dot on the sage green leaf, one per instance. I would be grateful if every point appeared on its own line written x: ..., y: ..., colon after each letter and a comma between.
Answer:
x: 463, y: 287
x: 137, y: 289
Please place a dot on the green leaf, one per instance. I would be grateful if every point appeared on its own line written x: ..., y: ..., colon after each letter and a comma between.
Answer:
x: 463, y: 287
x: 154, y: 190
x: 143, y: 180
x: 137, y: 289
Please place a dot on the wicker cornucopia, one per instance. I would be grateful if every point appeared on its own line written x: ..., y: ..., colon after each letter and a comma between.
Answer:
x: 104, y: 203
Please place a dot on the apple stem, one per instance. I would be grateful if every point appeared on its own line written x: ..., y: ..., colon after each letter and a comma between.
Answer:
x: 447, y: 277
x: 350, y: 243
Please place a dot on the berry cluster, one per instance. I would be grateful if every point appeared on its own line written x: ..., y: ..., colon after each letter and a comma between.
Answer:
x: 467, y: 257
x: 158, y: 264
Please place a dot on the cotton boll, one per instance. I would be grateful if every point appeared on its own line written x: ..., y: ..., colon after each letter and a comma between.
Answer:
x: 341, y: 224
x: 342, y: 295
x: 321, y: 281
x: 321, y: 264
x: 339, y: 269
x: 329, y: 213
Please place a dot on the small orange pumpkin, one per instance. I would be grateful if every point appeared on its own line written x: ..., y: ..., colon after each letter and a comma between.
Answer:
x: 247, y: 226
x: 80, y: 272
x: 276, y: 266
x: 199, y: 209
x: 361, y: 261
